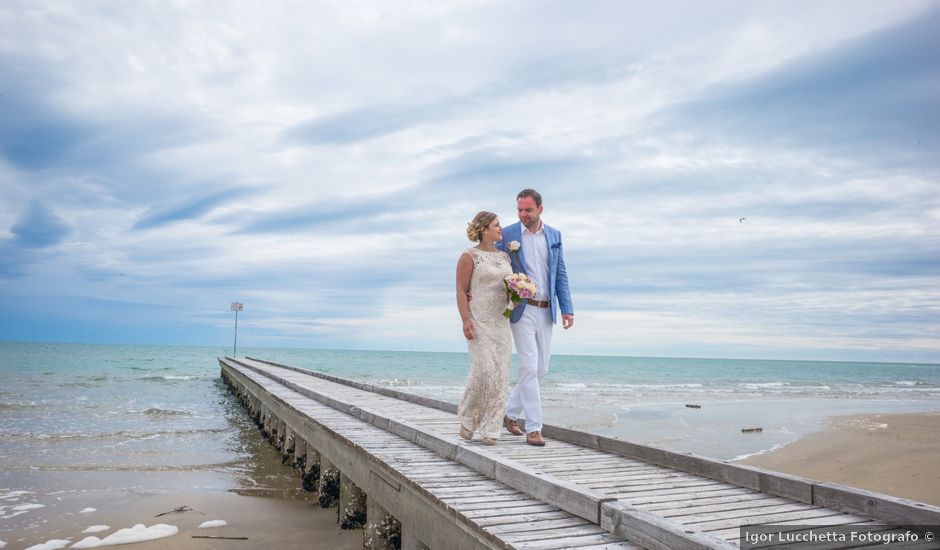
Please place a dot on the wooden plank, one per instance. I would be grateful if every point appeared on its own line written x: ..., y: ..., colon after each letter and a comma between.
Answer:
x: 495, y: 506
x: 654, y: 484
x: 682, y: 503
x: 841, y: 519
x: 654, y: 532
x: 753, y: 504
x: 886, y: 508
x: 569, y: 532
x: 526, y: 509
x: 639, y: 500
x: 561, y: 462
x: 648, y: 477
x: 542, y: 525
x: 600, y: 472
x: 797, y: 518
x: 520, y: 519
x: 566, y: 453
x: 653, y: 492
x: 459, y: 502
x: 569, y: 542
x: 613, y: 546
x: 473, y: 489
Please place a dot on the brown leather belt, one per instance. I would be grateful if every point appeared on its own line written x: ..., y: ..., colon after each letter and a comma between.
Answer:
x: 536, y: 303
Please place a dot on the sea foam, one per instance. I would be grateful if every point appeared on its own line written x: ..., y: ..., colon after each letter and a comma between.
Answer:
x: 137, y: 533
x: 213, y: 523
x: 53, y: 544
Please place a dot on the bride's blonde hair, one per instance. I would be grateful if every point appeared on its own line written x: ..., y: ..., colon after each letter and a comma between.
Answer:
x: 476, y: 227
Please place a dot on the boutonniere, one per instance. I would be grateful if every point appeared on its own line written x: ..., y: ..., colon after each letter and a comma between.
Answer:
x: 513, y: 246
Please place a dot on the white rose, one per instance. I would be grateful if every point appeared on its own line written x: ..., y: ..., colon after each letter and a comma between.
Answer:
x: 514, y: 246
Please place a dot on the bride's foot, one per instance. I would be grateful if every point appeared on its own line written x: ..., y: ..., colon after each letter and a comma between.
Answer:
x: 489, y: 440
x: 465, y: 433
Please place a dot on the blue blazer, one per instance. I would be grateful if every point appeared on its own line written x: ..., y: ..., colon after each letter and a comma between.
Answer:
x: 557, y: 275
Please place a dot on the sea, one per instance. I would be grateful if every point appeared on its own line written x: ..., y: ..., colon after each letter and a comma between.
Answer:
x: 88, y: 421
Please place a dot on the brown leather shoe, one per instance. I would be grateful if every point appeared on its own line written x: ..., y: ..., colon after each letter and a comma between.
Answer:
x: 512, y: 426
x: 535, y: 438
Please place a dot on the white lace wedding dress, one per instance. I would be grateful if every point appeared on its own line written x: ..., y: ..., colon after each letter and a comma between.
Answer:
x: 484, y: 400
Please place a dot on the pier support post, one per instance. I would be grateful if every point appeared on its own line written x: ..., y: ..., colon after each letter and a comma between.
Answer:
x: 329, y: 484
x: 287, y: 453
x: 280, y: 437
x: 300, y: 454
x: 277, y: 436
x: 352, y: 504
x: 311, y: 472
x: 382, y: 531
x: 265, y: 422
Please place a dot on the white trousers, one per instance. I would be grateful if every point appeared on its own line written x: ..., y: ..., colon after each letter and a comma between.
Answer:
x: 532, y: 336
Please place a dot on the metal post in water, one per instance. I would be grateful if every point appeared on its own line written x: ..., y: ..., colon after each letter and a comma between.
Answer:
x: 236, y: 307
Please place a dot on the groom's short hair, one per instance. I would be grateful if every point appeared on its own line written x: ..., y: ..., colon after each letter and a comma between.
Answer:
x: 532, y: 194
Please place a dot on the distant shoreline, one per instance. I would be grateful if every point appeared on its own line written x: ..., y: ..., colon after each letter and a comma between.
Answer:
x: 895, y: 454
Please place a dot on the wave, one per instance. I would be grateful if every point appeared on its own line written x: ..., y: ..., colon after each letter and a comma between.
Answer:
x: 757, y: 453
x: 112, y: 468
x: 19, y: 406
x: 158, y: 412
x: 13, y: 494
x: 168, y: 378
x: 108, y: 435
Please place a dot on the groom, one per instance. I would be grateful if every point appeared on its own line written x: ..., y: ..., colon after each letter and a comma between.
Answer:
x: 534, y: 249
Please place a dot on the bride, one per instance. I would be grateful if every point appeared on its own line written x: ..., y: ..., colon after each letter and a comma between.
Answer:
x: 480, y: 272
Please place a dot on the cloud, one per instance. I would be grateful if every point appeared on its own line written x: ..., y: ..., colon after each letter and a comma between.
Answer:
x: 352, y: 126
x: 189, y: 209
x: 34, y: 134
x: 39, y: 227
x: 871, y: 94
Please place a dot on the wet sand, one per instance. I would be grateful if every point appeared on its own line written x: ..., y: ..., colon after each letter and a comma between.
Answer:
x: 267, y: 522
x: 895, y: 454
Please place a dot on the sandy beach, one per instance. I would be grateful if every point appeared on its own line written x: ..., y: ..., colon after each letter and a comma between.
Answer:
x: 266, y: 522
x: 896, y: 454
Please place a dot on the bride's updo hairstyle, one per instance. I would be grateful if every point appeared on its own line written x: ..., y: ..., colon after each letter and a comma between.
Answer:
x: 478, y: 225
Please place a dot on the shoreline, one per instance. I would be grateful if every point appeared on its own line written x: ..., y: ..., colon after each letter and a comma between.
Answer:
x: 894, y: 454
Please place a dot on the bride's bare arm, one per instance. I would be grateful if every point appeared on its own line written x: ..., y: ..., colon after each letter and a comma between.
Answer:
x: 464, y: 271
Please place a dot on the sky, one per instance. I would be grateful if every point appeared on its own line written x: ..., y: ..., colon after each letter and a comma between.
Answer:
x: 731, y: 178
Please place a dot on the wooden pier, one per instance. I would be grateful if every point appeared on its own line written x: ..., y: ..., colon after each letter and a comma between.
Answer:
x: 394, y: 465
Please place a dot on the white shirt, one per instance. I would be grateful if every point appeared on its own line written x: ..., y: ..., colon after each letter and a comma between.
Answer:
x: 535, y: 255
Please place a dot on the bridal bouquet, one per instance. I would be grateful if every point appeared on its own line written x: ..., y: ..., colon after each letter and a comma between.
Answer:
x: 520, y: 287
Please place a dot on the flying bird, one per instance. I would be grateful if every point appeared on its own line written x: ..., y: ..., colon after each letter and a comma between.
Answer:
x: 741, y: 220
